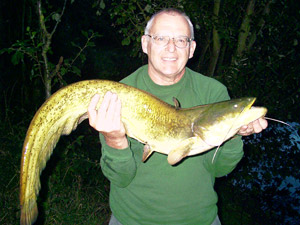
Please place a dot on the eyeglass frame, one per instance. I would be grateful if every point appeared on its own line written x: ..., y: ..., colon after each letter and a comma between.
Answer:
x: 189, y: 40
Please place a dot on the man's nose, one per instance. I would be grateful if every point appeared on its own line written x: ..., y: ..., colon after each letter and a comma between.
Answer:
x: 171, y: 45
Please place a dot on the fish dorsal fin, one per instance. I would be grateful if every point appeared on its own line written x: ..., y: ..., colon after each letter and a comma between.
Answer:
x: 176, y: 103
x: 147, y: 152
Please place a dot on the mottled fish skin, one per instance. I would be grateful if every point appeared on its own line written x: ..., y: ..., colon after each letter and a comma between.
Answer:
x: 164, y: 128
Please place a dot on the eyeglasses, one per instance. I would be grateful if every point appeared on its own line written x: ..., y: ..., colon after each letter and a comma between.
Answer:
x: 180, y: 42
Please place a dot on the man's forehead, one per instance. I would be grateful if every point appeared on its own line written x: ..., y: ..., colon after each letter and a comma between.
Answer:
x: 170, y: 22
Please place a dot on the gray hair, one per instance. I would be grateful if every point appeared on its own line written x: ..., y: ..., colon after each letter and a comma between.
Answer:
x: 171, y: 11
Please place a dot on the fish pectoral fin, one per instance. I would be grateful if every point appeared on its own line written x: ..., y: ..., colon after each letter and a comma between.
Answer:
x: 70, y: 122
x: 177, y: 154
x: 147, y: 152
x: 83, y: 117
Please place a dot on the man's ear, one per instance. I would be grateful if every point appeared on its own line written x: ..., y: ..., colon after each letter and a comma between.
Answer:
x: 192, y: 49
x: 145, y: 41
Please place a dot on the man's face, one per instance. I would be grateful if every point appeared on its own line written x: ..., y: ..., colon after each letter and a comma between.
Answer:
x: 168, y: 62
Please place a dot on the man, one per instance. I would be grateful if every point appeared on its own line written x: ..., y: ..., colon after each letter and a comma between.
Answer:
x: 156, y: 192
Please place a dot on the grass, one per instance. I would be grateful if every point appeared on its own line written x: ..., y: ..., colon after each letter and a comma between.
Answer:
x: 75, y: 203
x: 74, y: 190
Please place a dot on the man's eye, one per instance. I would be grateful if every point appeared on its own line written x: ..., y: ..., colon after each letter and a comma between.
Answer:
x: 181, y: 40
x: 160, y: 39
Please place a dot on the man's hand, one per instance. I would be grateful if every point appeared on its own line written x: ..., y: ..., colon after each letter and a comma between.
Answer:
x: 107, y: 120
x: 254, y: 127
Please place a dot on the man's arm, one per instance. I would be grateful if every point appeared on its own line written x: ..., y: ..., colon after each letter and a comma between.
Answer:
x: 117, y: 160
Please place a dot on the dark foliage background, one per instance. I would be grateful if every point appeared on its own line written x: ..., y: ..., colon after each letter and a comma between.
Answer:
x: 251, y: 46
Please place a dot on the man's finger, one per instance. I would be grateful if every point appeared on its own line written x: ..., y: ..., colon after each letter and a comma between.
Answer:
x: 263, y: 122
x: 111, y: 107
x: 260, y: 125
x: 117, y: 113
x: 105, y: 104
x: 92, y: 112
x: 257, y: 127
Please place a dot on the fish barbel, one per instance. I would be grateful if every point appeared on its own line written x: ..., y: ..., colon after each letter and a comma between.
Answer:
x: 161, y: 127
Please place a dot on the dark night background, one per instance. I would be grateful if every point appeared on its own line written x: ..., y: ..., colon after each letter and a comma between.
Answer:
x: 250, y: 46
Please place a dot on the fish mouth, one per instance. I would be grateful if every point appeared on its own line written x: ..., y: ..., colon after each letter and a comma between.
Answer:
x: 251, y: 113
x: 248, y: 106
x: 252, y: 100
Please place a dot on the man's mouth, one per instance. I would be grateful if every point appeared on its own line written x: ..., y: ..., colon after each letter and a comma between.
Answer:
x: 169, y: 59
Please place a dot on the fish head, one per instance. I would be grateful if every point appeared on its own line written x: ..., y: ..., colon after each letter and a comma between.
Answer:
x: 220, y: 121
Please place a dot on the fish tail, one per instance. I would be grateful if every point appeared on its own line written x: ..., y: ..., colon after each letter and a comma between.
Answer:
x: 29, y: 212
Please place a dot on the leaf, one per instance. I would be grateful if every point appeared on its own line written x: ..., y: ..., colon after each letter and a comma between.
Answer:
x: 76, y: 70
x: 295, y: 43
x: 63, y: 71
x: 73, y: 44
x: 40, y: 45
x: 32, y: 74
x: 17, y: 57
x: 3, y: 50
x: 33, y: 34
x: 102, y: 4
x: 148, y: 8
x: 82, y: 57
x: 91, y: 44
x: 85, y: 34
x: 126, y: 41
x: 56, y: 17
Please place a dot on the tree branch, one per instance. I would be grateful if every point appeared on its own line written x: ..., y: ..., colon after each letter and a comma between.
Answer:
x: 261, y: 24
x: 216, y: 40
x: 47, y: 38
x: 59, y: 20
x: 245, y: 28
